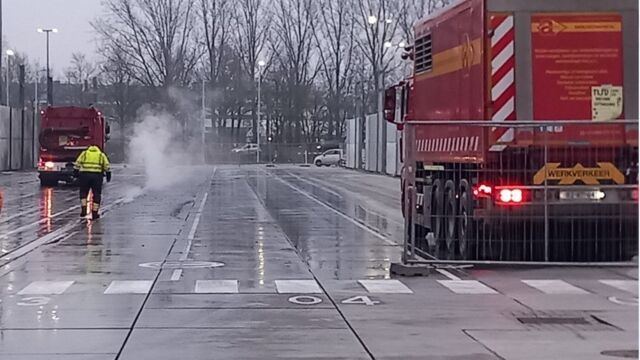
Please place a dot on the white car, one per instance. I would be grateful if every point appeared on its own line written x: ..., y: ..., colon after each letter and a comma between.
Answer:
x: 247, y: 148
x: 329, y: 157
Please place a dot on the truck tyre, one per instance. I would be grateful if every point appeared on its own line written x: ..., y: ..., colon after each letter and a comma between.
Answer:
x: 466, y: 239
x: 437, y: 212
x: 450, y: 210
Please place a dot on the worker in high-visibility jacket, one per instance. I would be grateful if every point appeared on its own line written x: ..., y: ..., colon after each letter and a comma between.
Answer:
x: 91, y: 165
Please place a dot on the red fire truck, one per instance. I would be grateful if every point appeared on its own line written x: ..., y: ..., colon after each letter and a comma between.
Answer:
x: 513, y: 120
x: 64, y: 133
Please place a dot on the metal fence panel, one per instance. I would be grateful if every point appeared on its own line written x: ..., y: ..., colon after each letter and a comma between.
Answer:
x: 5, y: 139
x: 351, y: 143
x: 371, y: 143
x: 392, y: 167
x: 558, y: 192
x: 16, y: 138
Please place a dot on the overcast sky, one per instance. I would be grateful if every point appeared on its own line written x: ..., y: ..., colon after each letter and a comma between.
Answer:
x: 71, y: 17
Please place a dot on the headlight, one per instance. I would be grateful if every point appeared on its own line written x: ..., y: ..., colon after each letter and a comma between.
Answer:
x: 48, y: 165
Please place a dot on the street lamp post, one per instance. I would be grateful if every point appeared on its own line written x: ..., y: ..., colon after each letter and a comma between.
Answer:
x: 10, y: 53
x: 381, y: 143
x: 383, y: 44
x: 261, y: 64
x: 204, y: 115
x: 49, y: 80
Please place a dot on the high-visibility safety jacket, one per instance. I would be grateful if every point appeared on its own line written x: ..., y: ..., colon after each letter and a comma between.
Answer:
x: 92, y: 160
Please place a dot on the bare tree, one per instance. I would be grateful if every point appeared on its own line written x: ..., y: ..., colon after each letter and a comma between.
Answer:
x: 81, y: 70
x: 378, y: 42
x: 412, y: 11
x: 156, y: 36
x: 216, y: 17
x: 122, y: 96
x: 335, y: 38
x: 252, y: 32
x: 294, y: 26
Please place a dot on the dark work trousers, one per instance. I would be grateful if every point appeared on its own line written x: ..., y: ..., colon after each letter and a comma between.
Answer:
x: 91, y: 181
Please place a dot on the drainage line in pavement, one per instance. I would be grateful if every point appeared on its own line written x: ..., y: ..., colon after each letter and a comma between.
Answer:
x: 315, y: 278
x: 466, y: 332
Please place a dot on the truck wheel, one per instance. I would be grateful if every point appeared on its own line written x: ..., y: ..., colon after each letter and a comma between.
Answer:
x: 437, y: 211
x: 466, y: 241
x: 450, y: 210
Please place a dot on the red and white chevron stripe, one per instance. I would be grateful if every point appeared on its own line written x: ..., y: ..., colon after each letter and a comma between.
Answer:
x: 451, y: 144
x: 503, y: 85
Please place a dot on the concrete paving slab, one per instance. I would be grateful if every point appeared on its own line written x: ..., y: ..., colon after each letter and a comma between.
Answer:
x: 216, y: 286
x: 385, y: 286
x: 530, y: 345
x: 129, y: 287
x: 249, y: 344
x: 298, y: 287
x: 60, y: 341
x: 60, y: 357
x: 229, y: 301
x: 244, y: 318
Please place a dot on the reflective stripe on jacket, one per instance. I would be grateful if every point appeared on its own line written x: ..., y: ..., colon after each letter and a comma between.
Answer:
x: 92, y: 160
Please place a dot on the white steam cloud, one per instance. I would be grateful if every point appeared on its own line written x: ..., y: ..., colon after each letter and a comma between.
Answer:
x: 155, y: 145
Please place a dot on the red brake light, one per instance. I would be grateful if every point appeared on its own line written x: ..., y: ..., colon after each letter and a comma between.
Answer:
x: 511, y: 195
x: 482, y: 191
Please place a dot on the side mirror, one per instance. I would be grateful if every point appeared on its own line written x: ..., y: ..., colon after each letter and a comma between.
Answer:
x: 107, y: 129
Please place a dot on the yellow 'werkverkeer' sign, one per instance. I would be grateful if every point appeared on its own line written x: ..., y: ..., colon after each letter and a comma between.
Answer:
x: 568, y: 176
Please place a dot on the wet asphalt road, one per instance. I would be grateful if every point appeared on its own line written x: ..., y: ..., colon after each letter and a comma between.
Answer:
x: 265, y: 263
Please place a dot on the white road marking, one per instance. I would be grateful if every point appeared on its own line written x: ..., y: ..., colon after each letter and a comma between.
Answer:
x: 305, y: 300
x: 298, y: 287
x: 52, y: 236
x: 629, y: 302
x: 41, y: 221
x: 217, y: 286
x: 34, y: 301
x: 20, y: 214
x: 357, y: 223
x: 467, y: 287
x: 324, y: 188
x: 624, y: 285
x: 448, y: 274
x: 554, y: 287
x: 385, y: 287
x: 46, y: 288
x: 177, y: 273
x: 129, y: 287
x: 196, y: 222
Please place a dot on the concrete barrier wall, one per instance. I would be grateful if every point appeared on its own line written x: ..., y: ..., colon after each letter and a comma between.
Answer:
x: 18, y: 146
x: 370, y: 149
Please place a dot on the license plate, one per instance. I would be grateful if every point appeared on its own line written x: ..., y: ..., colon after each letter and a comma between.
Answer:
x: 582, y: 195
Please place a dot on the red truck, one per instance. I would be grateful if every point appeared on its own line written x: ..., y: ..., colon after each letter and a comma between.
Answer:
x: 519, y: 125
x: 64, y: 133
